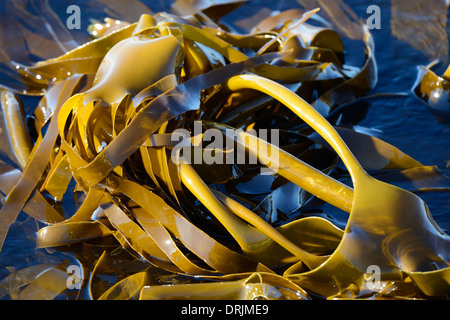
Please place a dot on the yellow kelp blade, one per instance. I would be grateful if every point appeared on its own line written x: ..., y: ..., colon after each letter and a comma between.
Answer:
x: 46, y: 286
x: 388, y: 227
x: 226, y: 49
x: 293, y: 169
x: 37, y: 206
x: 160, y: 163
x: 83, y: 59
x: 127, y: 288
x: 66, y: 233
x: 180, y: 99
x: 86, y: 211
x: 12, y: 109
x: 137, y: 238
x: 371, y: 152
x: 254, y: 286
x: 58, y: 180
x: 132, y: 96
x: 355, y: 87
x: 167, y: 244
x: 220, y: 7
x: 35, y: 168
x: 22, y: 277
x: 313, y: 234
x: 435, y: 91
x: 115, y: 274
x: 253, y: 242
x: 216, y: 255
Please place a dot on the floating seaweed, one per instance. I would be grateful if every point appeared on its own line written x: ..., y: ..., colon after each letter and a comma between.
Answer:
x: 156, y: 224
x: 434, y: 90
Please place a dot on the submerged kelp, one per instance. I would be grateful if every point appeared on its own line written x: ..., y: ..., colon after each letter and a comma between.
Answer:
x: 98, y: 172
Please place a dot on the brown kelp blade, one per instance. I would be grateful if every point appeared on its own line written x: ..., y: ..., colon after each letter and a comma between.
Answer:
x: 250, y: 287
x: 138, y: 220
x: 435, y: 91
x: 180, y: 99
x: 392, y: 218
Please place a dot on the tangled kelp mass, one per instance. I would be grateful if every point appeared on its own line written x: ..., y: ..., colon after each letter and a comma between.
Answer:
x: 96, y: 168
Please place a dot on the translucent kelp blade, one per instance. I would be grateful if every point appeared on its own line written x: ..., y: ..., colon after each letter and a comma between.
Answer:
x: 112, y: 265
x: 422, y: 178
x: 218, y: 7
x: 435, y: 91
x: 86, y: 211
x: 276, y: 21
x: 312, y: 234
x: 12, y: 109
x: 338, y: 15
x: 46, y: 286
x: 50, y: 72
x: 310, y: 43
x: 36, y: 165
x: 254, y: 243
x: 199, y: 242
x: 22, y: 277
x: 253, y: 41
x: 410, y: 224
x: 82, y: 58
x: 254, y: 286
x: 46, y: 106
x: 128, y: 194
x: 129, y: 11
x: 37, y: 206
x: 127, y: 288
x: 166, y: 243
x: 29, y: 33
x: 234, y: 55
x: 182, y: 98
x: 371, y: 152
x: 283, y: 33
x: 356, y: 87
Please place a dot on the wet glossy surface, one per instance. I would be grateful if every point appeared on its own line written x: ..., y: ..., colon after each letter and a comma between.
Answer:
x: 399, y: 118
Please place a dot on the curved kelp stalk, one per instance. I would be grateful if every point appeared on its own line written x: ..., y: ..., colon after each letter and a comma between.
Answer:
x: 434, y: 90
x: 388, y: 227
x: 100, y: 166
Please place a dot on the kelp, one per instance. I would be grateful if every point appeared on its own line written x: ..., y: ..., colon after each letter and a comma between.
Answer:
x: 431, y: 37
x: 304, y: 219
x: 434, y: 90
